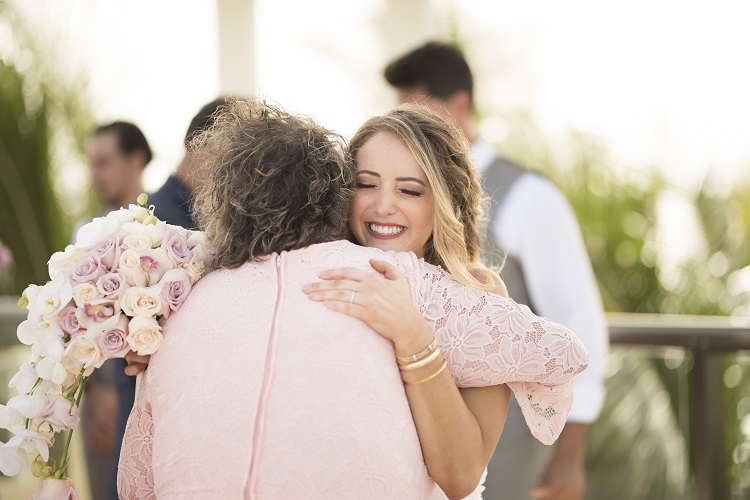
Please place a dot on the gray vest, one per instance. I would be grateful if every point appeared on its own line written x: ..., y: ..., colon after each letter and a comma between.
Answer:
x: 497, y: 181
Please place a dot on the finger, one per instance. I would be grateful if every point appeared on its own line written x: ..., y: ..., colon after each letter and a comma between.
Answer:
x: 342, y: 284
x: 348, y: 273
x: 347, y: 296
x: 540, y: 493
x: 353, y: 310
x: 136, y: 358
x: 390, y: 271
x: 135, y: 369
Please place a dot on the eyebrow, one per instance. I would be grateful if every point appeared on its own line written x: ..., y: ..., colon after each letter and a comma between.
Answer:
x: 375, y: 174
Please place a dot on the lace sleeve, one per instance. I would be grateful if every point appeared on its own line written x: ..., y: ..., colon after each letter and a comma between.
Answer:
x: 135, y: 477
x: 488, y: 339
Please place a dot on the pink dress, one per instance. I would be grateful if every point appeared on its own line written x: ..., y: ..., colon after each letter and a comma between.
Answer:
x: 259, y: 392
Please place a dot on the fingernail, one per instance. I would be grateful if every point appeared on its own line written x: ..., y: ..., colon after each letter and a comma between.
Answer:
x: 306, y: 288
x: 324, y: 274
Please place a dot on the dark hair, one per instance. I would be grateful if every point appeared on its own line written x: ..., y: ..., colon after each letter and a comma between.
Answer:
x: 438, y: 67
x: 129, y: 137
x: 273, y: 181
x: 205, y: 118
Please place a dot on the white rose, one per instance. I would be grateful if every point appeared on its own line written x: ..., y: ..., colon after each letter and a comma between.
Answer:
x: 130, y: 265
x: 144, y: 335
x: 85, y: 351
x: 97, y: 230
x: 195, y: 269
x: 137, y: 241
x: 50, y: 299
x: 143, y: 302
x: 84, y: 293
x: 138, y: 213
x: 63, y: 262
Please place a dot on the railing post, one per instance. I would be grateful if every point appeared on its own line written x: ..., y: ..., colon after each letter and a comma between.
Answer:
x: 708, y: 426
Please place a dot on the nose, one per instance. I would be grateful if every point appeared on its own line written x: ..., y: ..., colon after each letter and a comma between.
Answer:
x: 385, y: 204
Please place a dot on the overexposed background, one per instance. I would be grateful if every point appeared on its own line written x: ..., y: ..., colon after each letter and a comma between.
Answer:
x: 663, y: 83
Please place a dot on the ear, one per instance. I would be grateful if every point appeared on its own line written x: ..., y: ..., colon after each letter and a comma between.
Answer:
x: 137, y: 161
x: 459, y: 105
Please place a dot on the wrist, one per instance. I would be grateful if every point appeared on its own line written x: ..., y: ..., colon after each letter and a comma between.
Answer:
x: 413, y: 340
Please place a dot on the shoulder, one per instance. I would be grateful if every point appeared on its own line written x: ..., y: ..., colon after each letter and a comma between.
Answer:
x: 533, y: 194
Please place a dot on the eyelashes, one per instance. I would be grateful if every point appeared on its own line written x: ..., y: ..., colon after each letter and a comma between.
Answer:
x: 408, y: 192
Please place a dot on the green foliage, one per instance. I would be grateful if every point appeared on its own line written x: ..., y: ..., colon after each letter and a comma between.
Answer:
x: 40, y: 116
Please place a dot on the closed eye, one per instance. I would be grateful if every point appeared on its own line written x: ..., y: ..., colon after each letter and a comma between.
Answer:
x: 410, y: 192
x: 364, y: 185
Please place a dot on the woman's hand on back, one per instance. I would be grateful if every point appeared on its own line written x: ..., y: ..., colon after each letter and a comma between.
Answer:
x: 382, y: 300
x: 136, y: 363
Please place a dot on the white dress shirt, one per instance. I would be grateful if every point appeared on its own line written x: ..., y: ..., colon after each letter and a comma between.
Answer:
x: 537, y: 226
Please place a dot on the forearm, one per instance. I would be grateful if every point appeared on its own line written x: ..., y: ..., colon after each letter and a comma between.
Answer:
x: 572, y: 441
x: 449, y: 433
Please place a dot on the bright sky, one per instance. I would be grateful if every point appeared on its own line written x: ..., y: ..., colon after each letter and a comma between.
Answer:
x: 662, y: 82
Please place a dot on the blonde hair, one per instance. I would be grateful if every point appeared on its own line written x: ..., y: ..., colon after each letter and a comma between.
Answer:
x: 443, y: 153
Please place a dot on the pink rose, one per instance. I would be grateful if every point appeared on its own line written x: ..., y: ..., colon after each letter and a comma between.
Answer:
x: 55, y: 489
x: 175, y: 289
x: 69, y: 322
x: 113, y: 339
x: 175, y: 246
x: 61, y: 414
x: 111, y: 285
x: 108, y: 252
x: 87, y: 270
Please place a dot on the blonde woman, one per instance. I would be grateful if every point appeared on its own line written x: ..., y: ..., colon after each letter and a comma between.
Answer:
x: 416, y: 190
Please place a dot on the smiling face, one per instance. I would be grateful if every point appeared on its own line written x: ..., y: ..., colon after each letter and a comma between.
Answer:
x: 393, y: 207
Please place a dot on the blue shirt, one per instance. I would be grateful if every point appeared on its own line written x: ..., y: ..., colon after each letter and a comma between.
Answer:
x: 173, y: 203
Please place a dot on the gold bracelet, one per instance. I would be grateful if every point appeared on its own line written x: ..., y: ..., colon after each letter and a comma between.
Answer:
x: 422, y: 362
x: 445, y: 363
x: 402, y: 360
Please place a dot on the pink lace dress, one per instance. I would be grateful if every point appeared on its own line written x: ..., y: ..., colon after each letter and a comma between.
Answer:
x: 258, y: 392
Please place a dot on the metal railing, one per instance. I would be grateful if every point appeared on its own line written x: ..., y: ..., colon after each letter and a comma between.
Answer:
x: 706, y: 337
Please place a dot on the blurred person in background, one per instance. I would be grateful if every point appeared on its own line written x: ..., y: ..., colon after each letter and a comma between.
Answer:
x: 546, y: 267
x: 117, y: 154
x: 173, y: 201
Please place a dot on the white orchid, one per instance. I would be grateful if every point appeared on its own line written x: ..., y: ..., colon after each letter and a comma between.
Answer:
x: 12, y: 458
x: 52, y: 369
x: 45, y: 339
x: 32, y: 442
x: 24, y: 380
x: 29, y: 406
x: 49, y: 300
x: 11, y: 418
x: 62, y: 262
x: 97, y: 230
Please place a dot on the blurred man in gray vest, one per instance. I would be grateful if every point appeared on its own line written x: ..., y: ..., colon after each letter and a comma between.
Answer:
x: 547, y: 268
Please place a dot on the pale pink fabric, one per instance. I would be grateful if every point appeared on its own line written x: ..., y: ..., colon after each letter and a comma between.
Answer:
x: 258, y: 392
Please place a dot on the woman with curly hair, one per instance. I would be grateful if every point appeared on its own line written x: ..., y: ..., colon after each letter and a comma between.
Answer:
x: 286, y: 398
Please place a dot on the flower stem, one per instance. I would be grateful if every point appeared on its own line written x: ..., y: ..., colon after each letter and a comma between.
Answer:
x: 63, y: 466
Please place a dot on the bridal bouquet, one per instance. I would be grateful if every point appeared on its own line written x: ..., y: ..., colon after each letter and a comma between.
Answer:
x: 105, y: 297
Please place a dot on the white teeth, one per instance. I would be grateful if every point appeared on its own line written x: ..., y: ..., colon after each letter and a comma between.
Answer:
x: 386, y: 230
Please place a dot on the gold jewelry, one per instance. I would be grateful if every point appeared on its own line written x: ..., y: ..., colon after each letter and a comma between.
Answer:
x: 427, y: 379
x: 422, y: 362
x: 402, y: 360
x: 351, y: 299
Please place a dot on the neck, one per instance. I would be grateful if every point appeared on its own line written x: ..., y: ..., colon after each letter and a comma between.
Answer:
x: 470, y: 132
x: 129, y: 196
